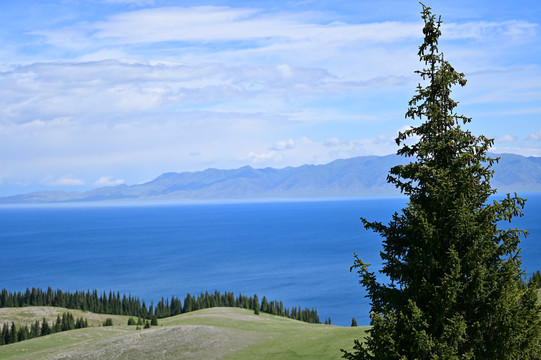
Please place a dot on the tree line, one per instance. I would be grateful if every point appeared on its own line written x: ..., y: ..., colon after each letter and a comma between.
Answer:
x: 115, y: 304
x: 12, y: 333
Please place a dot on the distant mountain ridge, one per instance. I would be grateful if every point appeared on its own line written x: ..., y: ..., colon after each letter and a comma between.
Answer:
x: 354, y: 177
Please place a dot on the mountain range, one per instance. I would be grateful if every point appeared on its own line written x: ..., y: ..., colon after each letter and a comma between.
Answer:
x: 354, y: 177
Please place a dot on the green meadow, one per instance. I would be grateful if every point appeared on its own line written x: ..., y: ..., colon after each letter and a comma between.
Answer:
x: 216, y: 333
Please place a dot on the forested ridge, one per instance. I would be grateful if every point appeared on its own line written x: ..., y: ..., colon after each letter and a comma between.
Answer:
x: 116, y: 304
x: 13, y: 333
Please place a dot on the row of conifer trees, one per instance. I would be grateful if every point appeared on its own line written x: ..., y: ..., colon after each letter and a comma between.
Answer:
x: 12, y: 333
x: 114, y: 303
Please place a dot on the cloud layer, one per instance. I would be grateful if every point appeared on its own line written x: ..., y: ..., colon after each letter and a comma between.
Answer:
x: 129, y: 89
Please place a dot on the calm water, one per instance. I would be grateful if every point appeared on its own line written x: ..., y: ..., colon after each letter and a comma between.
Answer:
x: 297, y: 252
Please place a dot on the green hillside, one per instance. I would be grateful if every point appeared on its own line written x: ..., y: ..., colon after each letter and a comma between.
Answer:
x: 216, y: 333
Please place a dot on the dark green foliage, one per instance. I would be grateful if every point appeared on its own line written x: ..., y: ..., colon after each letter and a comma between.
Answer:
x: 206, y: 300
x: 63, y: 323
x: 5, y: 335
x: 12, y: 333
x: 23, y: 333
x: 113, y: 303
x: 89, y: 301
x: 535, y: 280
x: 81, y: 323
x: 57, y: 327
x: 45, y: 329
x: 154, y: 320
x: 108, y: 322
x: 131, y: 321
x: 256, y: 305
x: 264, y: 304
x: 454, y: 289
x: 35, y: 329
x: 353, y: 322
x: 147, y: 325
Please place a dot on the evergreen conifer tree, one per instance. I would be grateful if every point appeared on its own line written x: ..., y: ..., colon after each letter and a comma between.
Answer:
x: 264, y: 305
x: 256, y: 305
x: 454, y: 288
x: 3, y: 335
x: 13, y: 333
x: 35, y: 329
x: 22, y: 334
x: 45, y: 329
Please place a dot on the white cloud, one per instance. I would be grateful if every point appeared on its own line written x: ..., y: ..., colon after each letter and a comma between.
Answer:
x: 480, y: 30
x: 106, y: 89
x: 108, y: 181
x: 195, y: 87
x: 522, y: 150
x: 307, y: 151
x: 334, y: 142
x: 212, y: 23
x: 283, y: 145
x: 535, y: 136
x: 68, y: 181
x: 507, y: 138
x: 267, y: 158
x: 193, y: 28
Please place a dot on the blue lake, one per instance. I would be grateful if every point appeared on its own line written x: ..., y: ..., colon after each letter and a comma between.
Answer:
x: 299, y: 252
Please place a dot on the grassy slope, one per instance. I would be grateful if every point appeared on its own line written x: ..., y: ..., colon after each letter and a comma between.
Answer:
x: 227, y: 333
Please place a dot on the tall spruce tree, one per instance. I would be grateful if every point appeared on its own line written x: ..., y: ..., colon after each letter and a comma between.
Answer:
x: 453, y: 287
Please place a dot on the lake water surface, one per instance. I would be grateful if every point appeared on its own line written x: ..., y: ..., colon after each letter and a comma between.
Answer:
x: 299, y: 252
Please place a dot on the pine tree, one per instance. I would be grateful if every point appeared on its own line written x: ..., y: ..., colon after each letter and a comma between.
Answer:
x: 57, y: 327
x: 45, y: 329
x: 23, y: 333
x: 13, y: 333
x: 256, y: 305
x: 353, y: 322
x: 35, y: 329
x: 3, y: 335
x: 454, y: 287
x: 264, y: 305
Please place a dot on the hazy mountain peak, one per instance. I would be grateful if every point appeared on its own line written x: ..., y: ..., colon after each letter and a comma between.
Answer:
x: 354, y: 177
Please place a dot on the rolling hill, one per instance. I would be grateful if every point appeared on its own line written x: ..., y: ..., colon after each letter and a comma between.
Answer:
x: 216, y: 333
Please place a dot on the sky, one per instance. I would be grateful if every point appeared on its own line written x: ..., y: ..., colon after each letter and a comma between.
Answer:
x: 106, y: 92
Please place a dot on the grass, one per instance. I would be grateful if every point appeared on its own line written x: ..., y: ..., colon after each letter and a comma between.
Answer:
x: 28, y: 315
x: 217, y: 333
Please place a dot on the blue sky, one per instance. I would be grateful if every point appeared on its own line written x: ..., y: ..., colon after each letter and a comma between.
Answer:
x: 105, y: 92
